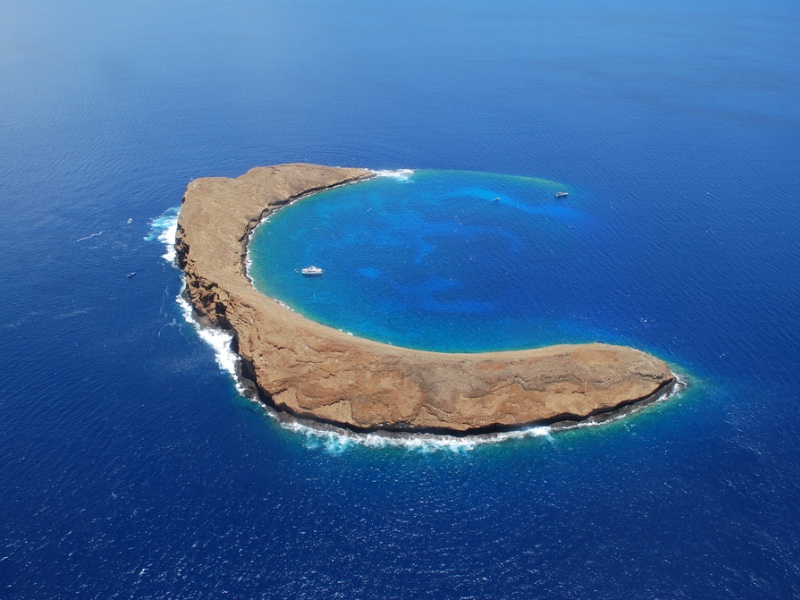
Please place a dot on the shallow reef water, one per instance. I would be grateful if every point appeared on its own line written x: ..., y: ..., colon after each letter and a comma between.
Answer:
x: 435, y: 260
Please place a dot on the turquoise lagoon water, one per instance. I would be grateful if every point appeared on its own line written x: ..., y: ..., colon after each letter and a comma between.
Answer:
x: 437, y: 260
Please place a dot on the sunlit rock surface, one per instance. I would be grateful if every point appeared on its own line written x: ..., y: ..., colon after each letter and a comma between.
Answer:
x: 319, y: 373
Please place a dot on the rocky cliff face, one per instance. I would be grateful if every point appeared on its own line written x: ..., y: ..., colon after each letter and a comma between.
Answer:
x: 319, y: 373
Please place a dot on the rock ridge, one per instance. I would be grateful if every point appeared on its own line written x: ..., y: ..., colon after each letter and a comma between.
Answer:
x: 315, y: 372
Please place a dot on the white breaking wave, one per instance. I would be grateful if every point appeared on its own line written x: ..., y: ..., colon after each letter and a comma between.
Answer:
x: 401, y: 174
x: 337, y: 442
x: 681, y: 383
x: 164, y: 228
x: 220, y: 342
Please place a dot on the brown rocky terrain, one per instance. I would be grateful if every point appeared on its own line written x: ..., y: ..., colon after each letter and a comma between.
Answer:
x: 312, y: 371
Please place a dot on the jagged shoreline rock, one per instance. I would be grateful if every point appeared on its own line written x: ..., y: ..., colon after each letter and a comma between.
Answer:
x: 315, y: 372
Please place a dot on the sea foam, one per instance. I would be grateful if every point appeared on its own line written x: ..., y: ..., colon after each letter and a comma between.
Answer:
x: 400, y: 174
x: 219, y: 340
x: 336, y: 442
x: 164, y: 228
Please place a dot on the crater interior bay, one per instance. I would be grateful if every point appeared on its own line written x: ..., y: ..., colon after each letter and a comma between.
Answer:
x: 440, y: 260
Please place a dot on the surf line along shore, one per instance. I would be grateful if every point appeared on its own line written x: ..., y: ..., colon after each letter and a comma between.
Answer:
x: 318, y: 373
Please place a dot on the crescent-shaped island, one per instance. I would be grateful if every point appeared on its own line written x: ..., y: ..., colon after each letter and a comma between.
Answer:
x: 315, y: 372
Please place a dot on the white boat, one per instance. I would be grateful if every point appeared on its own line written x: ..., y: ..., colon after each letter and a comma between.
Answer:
x: 561, y: 194
x: 312, y: 270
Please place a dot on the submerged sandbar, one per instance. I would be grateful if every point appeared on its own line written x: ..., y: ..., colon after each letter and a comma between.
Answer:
x: 313, y: 371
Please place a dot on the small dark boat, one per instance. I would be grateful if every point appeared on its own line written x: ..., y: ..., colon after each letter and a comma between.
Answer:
x: 562, y: 194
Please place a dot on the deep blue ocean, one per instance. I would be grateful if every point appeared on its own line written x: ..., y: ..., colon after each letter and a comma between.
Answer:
x: 131, y: 466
